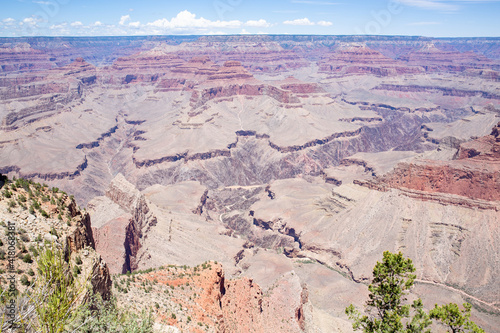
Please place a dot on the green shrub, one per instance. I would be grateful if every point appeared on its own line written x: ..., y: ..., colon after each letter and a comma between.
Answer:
x: 27, y: 259
x: 105, y: 316
x: 25, y: 281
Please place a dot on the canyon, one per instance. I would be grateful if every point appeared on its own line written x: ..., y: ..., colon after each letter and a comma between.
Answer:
x: 288, y: 164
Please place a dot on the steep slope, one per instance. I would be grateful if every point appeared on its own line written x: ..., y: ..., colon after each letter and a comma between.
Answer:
x: 202, y: 299
x: 475, y: 173
x: 32, y: 214
x: 352, y: 59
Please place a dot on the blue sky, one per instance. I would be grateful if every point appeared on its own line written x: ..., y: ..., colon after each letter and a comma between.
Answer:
x: 436, y: 18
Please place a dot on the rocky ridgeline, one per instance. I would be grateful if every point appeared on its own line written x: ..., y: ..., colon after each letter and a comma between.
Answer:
x: 23, y: 58
x: 356, y: 59
x: 40, y: 216
x: 119, y: 235
x: 475, y: 174
x: 45, y: 93
x: 202, y: 299
x: 434, y: 59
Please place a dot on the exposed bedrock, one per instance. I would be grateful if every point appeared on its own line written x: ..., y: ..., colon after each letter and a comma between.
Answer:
x: 358, y: 59
x: 198, y: 99
x: 45, y: 106
x: 464, y: 180
x: 444, y: 91
x: 255, y: 161
x: 475, y: 174
x: 125, y: 224
x: 69, y: 175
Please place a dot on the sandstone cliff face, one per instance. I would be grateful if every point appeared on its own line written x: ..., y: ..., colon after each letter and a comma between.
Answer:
x: 119, y: 237
x: 434, y: 59
x: 460, y: 179
x: 154, y: 60
x: 22, y: 57
x: 217, y: 304
x: 359, y: 59
x: 475, y: 174
x: 63, y: 224
x: 198, y: 99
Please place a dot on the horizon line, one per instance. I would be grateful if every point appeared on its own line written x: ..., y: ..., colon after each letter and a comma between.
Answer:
x: 251, y: 35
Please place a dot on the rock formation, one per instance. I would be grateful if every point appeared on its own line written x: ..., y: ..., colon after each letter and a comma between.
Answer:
x: 119, y: 236
x: 214, y: 302
x: 475, y: 174
x: 354, y: 59
x: 59, y: 221
x: 294, y: 161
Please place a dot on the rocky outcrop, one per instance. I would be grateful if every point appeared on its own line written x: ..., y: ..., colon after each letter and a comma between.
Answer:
x: 486, y: 148
x: 466, y: 180
x: 120, y: 238
x: 199, y: 98
x: 197, y: 66
x: 81, y: 236
x: 155, y: 60
x: 223, y: 305
x: 23, y: 58
x: 101, y: 279
x: 48, y: 176
x: 58, y: 221
x: 95, y: 143
x: 352, y: 59
x: 453, y: 92
x: 232, y: 70
x: 434, y: 59
x: 474, y: 175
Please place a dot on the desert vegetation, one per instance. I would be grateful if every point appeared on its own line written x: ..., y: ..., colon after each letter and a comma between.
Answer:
x: 388, y: 311
x: 54, y: 293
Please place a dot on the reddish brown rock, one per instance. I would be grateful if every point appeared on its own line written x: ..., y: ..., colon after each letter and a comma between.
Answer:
x: 119, y: 239
x: 475, y: 175
x: 197, y: 66
x: 232, y: 70
x: 23, y: 58
x: 210, y: 301
x: 359, y: 59
x: 299, y: 87
x: 109, y: 241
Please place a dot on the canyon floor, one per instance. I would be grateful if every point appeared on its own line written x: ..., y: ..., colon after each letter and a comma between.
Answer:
x: 255, y: 181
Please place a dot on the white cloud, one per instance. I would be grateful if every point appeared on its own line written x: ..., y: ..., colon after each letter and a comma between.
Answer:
x: 244, y: 32
x: 9, y: 21
x: 135, y: 24
x: 46, y: 3
x: 303, y: 21
x: 260, y: 23
x: 188, y: 20
x: 124, y: 19
x: 325, y: 23
x: 58, y: 26
x: 97, y: 23
x: 77, y: 24
x: 29, y: 21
